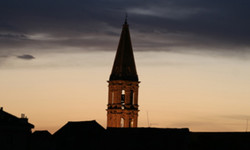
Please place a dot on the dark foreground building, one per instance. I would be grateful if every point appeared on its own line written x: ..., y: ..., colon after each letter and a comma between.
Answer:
x: 149, y: 138
x: 80, y: 135
x: 92, y: 136
x: 41, y: 140
x: 14, y: 132
x: 219, y: 141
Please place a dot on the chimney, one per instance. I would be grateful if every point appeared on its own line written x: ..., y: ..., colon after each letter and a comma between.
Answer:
x: 24, y: 118
x: 1, y: 108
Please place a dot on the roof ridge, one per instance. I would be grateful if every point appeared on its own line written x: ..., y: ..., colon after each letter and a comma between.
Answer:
x: 81, y: 121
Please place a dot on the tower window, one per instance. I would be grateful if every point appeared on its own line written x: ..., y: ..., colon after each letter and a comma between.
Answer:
x: 123, y: 97
x: 131, y: 123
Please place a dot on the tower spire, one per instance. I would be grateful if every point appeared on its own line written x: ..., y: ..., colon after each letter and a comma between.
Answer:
x: 124, y: 65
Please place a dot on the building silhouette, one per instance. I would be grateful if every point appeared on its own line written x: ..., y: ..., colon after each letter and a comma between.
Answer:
x: 122, y: 108
x: 14, y: 132
x: 41, y: 140
x: 80, y: 135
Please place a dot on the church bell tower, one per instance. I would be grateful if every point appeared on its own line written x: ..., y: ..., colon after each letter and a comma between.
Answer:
x: 122, y: 111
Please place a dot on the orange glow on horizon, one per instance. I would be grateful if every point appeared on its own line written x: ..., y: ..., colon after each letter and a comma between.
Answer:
x: 176, y: 90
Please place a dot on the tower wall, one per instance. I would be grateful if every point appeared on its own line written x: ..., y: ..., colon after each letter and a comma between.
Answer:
x: 123, y: 104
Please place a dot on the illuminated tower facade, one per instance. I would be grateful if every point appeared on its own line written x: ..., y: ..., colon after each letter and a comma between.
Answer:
x: 123, y: 82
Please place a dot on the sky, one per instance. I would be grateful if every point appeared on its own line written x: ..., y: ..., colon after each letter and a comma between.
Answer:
x: 192, y: 59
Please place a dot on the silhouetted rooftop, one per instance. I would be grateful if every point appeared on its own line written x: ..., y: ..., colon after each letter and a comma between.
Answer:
x: 80, y: 135
x: 8, y: 120
x: 79, y: 127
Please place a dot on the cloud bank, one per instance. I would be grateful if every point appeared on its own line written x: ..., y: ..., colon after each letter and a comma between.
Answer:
x: 94, y: 25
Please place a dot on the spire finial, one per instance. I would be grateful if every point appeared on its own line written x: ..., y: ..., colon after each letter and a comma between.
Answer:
x: 126, y: 18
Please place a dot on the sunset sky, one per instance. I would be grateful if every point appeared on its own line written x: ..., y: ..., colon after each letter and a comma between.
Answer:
x: 192, y: 58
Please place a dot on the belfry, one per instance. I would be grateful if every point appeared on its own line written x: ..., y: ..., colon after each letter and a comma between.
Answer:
x: 122, y: 111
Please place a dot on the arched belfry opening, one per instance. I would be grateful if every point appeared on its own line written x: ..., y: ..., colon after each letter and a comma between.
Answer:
x: 122, y: 122
x: 123, y: 82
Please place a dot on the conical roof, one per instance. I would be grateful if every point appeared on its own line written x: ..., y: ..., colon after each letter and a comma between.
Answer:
x: 124, y: 64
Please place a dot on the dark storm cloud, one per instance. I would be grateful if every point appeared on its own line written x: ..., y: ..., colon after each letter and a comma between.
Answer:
x: 26, y: 57
x: 156, y: 25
